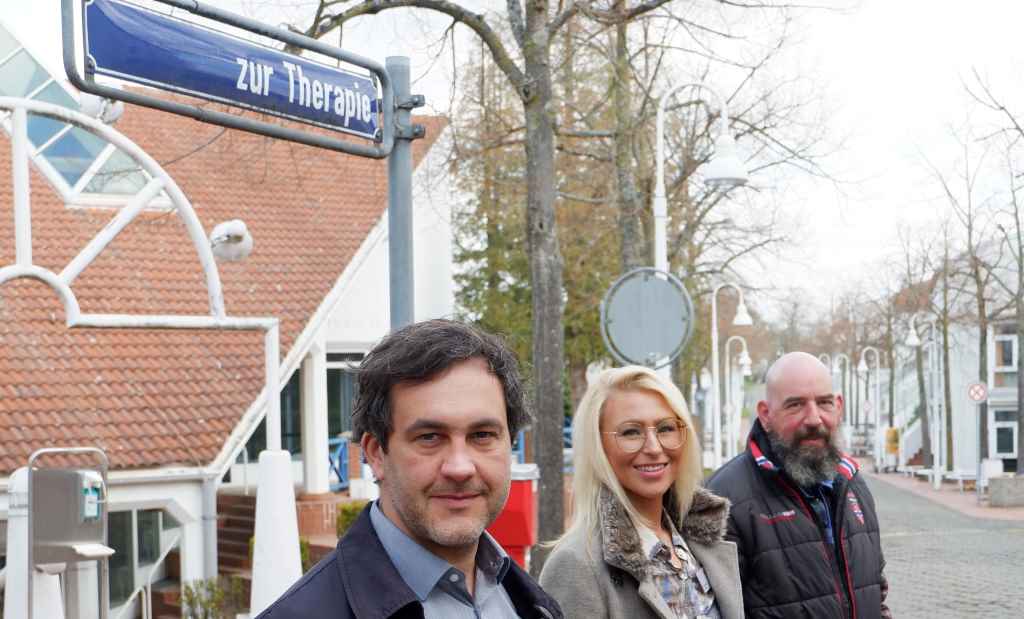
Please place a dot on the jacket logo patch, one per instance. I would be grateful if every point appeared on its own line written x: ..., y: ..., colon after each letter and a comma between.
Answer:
x: 787, y: 515
x: 855, y: 506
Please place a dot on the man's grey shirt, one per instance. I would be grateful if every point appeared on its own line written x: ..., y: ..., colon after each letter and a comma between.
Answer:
x: 440, y: 587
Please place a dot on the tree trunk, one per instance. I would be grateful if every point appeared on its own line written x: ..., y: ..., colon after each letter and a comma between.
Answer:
x: 1020, y: 370
x: 926, y: 435
x: 947, y: 398
x: 1019, y: 309
x: 631, y: 230
x: 947, y: 395
x: 979, y: 298
x: 890, y: 354
x: 545, y: 277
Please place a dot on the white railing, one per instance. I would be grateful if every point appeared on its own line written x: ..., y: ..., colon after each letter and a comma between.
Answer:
x: 146, y: 589
x: 910, y: 441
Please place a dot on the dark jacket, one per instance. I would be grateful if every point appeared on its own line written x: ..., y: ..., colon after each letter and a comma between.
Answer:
x: 787, y: 567
x: 358, y: 580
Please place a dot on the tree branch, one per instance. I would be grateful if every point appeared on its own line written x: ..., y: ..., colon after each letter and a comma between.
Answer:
x: 459, y: 14
x: 515, y: 19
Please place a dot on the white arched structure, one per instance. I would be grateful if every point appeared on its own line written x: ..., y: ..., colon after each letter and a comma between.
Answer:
x: 274, y: 568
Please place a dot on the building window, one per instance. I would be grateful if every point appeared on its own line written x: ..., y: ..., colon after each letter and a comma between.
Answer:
x: 341, y: 391
x: 122, y: 572
x: 1005, y: 428
x: 76, y: 162
x: 1004, y: 440
x: 291, y: 415
x: 149, y: 536
x: 291, y: 422
x: 1006, y: 354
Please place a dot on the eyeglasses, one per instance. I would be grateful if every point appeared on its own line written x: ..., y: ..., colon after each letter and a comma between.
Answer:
x: 631, y: 436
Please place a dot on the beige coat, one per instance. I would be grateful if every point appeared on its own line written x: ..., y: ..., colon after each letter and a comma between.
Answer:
x: 605, y: 576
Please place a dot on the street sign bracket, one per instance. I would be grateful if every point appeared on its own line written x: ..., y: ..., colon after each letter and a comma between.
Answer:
x: 381, y: 150
x: 414, y: 132
x: 411, y: 102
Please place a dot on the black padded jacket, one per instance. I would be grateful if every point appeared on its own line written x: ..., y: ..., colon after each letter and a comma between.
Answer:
x: 358, y: 581
x: 787, y: 567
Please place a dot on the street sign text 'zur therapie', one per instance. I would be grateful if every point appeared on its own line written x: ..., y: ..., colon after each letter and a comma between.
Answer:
x: 132, y: 43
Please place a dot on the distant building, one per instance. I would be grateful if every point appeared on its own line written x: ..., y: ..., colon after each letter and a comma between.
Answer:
x: 1003, y: 417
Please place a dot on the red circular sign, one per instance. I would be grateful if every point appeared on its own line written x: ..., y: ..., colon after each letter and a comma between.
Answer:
x: 977, y: 392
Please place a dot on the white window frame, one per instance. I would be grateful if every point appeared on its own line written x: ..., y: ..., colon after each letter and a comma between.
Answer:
x: 994, y: 426
x: 996, y: 338
x: 75, y: 197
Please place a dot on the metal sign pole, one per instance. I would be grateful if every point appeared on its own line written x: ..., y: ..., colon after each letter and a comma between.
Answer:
x: 977, y: 478
x: 400, y: 225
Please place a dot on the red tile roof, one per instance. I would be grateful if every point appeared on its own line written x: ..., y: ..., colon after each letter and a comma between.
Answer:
x: 151, y: 397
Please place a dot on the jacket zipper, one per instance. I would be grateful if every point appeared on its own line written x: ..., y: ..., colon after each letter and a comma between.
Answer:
x: 824, y: 545
x: 842, y: 551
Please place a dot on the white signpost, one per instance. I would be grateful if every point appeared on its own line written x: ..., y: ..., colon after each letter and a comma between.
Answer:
x: 978, y: 393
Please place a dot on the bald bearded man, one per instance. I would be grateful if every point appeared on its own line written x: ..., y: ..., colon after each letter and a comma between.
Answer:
x: 802, y: 517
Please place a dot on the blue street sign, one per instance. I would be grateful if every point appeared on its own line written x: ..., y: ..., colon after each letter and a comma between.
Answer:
x: 135, y: 44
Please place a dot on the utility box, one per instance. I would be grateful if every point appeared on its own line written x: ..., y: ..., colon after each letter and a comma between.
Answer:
x: 516, y: 526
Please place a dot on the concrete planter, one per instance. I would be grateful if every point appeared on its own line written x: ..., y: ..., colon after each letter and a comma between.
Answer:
x: 1006, y: 491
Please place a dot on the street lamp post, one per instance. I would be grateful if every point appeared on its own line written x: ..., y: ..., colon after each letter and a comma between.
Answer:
x: 876, y: 399
x: 742, y: 319
x: 705, y: 417
x: 935, y: 403
x: 724, y: 171
x: 836, y: 358
x: 733, y: 408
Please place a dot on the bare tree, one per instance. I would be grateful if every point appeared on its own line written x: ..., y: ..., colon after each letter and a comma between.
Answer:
x: 975, y: 266
x: 1013, y: 283
x: 1012, y: 236
x: 528, y: 68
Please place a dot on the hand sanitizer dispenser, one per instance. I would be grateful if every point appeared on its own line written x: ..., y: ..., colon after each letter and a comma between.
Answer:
x: 91, y: 496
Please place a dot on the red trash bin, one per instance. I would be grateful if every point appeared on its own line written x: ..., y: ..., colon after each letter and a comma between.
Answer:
x: 515, y: 528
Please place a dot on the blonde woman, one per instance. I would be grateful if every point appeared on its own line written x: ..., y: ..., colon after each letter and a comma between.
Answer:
x: 645, y: 540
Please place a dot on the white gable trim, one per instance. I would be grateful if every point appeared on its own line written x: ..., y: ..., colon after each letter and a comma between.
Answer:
x: 308, y: 337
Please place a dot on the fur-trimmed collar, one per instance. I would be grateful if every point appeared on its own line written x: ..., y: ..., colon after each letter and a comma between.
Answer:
x: 705, y: 523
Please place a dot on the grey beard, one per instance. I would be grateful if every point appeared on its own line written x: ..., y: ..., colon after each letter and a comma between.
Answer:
x: 807, y: 466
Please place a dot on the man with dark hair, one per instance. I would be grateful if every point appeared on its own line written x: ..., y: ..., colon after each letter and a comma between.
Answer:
x: 802, y: 517
x: 438, y: 405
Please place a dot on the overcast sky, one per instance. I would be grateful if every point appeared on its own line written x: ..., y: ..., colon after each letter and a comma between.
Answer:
x: 891, y: 71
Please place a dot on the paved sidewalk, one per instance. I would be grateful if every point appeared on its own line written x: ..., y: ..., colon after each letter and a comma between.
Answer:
x: 949, y: 496
x: 943, y: 563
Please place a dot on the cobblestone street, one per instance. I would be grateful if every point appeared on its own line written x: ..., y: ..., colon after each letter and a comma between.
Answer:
x: 944, y: 564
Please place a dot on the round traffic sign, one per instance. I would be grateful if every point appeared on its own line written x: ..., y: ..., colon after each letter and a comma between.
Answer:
x: 646, y: 317
x: 977, y: 392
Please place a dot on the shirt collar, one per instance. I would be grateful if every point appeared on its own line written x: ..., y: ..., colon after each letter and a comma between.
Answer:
x: 649, y: 541
x: 422, y: 569
x: 828, y: 485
